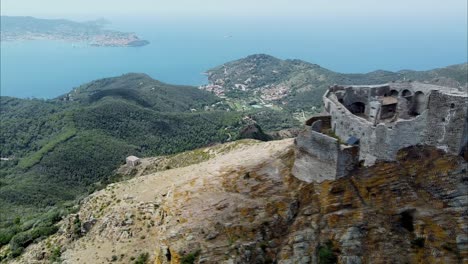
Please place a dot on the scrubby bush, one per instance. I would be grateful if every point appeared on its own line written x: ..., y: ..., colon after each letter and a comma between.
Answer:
x: 142, y: 258
x: 6, y: 235
x: 55, y: 255
x: 326, y: 254
x: 190, y: 258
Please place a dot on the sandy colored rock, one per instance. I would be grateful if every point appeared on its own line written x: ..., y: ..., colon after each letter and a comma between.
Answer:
x: 243, y: 206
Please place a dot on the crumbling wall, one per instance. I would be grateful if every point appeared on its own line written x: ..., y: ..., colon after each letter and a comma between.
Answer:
x: 316, y: 156
x: 380, y: 142
x: 426, y: 115
x: 320, y: 157
x: 447, y: 121
x: 325, y: 118
x: 385, y: 140
x: 348, y: 158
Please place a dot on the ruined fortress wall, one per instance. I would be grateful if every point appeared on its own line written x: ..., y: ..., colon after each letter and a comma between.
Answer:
x: 345, y: 124
x: 320, y: 157
x: 348, y: 158
x: 385, y: 140
x: 380, y: 142
x: 316, y: 156
x: 447, y: 121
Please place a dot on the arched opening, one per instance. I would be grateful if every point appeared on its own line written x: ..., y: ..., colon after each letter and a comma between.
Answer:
x: 357, y: 108
x: 406, y: 93
x: 418, y: 103
x: 394, y: 93
x: 419, y: 96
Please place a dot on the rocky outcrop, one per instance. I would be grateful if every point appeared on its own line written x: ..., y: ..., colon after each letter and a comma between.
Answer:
x: 254, y: 131
x: 245, y: 207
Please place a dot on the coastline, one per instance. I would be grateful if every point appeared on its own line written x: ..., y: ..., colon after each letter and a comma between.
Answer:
x: 95, y: 41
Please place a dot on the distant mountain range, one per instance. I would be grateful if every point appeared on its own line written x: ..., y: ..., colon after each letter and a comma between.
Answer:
x: 56, y: 151
x: 15, y: 28
x: 296, y: 85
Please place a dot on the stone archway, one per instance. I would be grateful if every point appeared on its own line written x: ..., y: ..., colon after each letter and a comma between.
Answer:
x: 406, y: 93
x: 394, y: 93
x: 419, y: 103
x: 357, y: 108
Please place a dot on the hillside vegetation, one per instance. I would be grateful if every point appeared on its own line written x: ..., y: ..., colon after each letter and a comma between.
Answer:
x: 240, y: 203
x: 296, y: 85
x: 56, y: 152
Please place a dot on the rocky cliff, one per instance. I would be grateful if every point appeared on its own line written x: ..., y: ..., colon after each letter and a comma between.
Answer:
x: 243, y: 205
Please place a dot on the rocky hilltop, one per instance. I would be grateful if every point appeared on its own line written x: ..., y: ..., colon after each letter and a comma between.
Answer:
x: 242, y: 204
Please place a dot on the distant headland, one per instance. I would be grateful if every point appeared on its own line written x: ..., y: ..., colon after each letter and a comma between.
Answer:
x: 20, y: 28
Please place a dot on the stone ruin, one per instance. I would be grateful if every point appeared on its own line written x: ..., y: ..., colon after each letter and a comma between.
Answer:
x: 369, y: 123
x: 132, y: 161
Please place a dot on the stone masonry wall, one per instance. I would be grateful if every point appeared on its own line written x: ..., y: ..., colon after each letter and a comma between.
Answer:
x: 380, y: 142
x: 348, y: 158
x: 443, y: 124
x: 316, y: 156
x: 320, y: 157
x: 447, y: 121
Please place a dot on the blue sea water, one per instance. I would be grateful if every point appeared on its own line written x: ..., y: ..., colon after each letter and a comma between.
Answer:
x: 181, y: 50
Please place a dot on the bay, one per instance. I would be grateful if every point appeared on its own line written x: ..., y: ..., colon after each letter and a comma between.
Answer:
x: 182, y: 49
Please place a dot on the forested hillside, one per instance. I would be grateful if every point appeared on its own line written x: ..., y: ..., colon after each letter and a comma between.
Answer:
x: 296, y: 85
x: 55, y: 151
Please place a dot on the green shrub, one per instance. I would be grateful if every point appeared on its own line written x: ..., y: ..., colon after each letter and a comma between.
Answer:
x: 16, y: 252
x: 326, y: 254
x: 190, y: 258
x: 21, y: 240
x: 77, y: 227
x: 55, y: 255
x: 6, y: 235
x: 142, y: 258
x: 43, y: 231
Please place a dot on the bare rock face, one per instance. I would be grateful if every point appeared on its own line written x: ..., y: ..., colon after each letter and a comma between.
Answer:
x: 245, y: 207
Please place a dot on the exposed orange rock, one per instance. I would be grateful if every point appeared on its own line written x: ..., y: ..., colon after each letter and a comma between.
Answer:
x: 244, y: 206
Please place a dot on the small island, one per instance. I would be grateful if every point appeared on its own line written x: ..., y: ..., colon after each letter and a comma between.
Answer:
x: 15, y: 28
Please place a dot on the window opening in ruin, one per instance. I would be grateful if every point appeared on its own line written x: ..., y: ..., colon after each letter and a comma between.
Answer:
x: 388, y: 111
x: 407, y: 220
x: 357, y: 108
x: 418, y: 104
x: 406, y: 93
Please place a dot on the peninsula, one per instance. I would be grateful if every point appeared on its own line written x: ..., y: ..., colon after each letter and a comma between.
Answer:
x: 16, y: 28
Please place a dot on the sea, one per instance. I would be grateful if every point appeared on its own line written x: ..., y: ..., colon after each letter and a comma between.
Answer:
x: 182, y: 49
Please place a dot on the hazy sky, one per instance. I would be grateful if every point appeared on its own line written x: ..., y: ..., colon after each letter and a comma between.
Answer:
x: 427, y: 10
